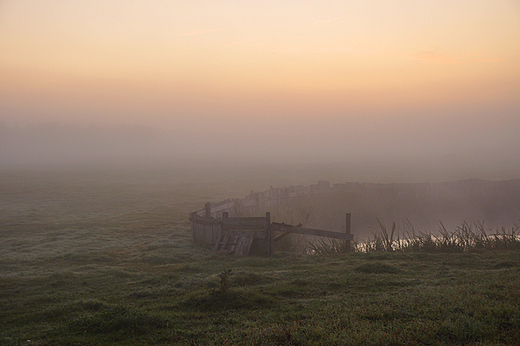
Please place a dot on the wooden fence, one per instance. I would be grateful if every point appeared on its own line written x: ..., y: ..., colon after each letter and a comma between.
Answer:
x: 220, y: 227
x: 240, y: 235
x: 210, y: 224
x: 257, y: 202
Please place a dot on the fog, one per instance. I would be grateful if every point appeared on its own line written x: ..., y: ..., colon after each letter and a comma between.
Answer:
x: 380, y: 154
x: 190, y: 169
x: 252, y: 95
x: 414, y: 92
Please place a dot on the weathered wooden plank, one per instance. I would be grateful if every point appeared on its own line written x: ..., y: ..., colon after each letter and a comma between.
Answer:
x: 217, y: 244
x: 238, y: 248
x: 245, y: 223
x: 215, y: 208
x: 216, y: 232
x: 221, y: 247
x: 280, y: 227
x: 247, y: 245
x: 225, y: 241
x: 253, y: 218
x: 200, y: 212
x: 244, y: 245
x: 281, y: 236
x: 232, y: 244
x: 204, y: 220
x: 238, y: 243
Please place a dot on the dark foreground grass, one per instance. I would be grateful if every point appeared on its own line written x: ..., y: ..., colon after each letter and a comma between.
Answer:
x: 354, y: 299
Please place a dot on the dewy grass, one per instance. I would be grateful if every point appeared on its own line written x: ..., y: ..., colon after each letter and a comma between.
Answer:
x: 351, y: 299
x: 96, y: 260
x: 116, y: 320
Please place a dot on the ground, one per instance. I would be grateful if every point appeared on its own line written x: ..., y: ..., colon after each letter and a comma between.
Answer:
x: 95, y: 259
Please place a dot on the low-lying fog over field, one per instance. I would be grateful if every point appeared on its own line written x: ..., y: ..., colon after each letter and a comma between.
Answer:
x: 107, y: 103
x: 63, y: 209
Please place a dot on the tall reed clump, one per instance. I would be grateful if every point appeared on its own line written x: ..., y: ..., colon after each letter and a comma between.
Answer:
x: 325, y: 246
x: 466, y: 237
x: 383, y: 240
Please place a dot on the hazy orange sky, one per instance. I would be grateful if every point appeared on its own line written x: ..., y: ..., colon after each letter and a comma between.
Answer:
x: 373, y: 76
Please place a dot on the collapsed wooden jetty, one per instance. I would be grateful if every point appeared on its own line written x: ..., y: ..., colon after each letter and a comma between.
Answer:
x: 212, y: 227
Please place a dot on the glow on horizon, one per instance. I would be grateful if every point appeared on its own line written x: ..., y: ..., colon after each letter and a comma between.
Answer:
x: 242, y: 63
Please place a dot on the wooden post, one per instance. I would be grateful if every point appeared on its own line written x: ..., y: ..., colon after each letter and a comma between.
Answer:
x: 207, y: 206
x: 347, y: 230
x: 270, y: 235
x: 225, y: 215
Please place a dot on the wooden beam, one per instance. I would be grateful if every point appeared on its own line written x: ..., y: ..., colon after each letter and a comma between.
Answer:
x: 256, y: 219
x: 281, y: 236
x: 207, y: 207
x: 224, y: 206
x: 347, y: 231
x: 201, y: 220
x: 281, y: 227
x: 270, y: 235
x: 245, y: 223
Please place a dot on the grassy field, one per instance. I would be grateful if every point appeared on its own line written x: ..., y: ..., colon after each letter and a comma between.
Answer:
x: 106, y: 257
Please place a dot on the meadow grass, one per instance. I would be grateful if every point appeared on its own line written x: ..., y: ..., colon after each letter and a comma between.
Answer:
x: 357, y: 298
x: 95, y: 263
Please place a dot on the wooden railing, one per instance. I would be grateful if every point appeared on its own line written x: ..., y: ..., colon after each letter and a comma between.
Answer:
x: 239, y: 235
x: 207, y: 224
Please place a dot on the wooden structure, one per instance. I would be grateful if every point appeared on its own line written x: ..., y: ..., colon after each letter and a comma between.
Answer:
x: 239, y: 235
x: 219, y: 226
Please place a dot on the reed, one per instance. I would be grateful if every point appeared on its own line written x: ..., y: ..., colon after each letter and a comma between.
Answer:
x: 465, y: 238
x: 322, y: 246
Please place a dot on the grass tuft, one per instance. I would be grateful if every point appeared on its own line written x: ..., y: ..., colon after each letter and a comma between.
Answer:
x: 376, y: 268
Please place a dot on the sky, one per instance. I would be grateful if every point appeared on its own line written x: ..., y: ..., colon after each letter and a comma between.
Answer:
x: 268, y: 79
